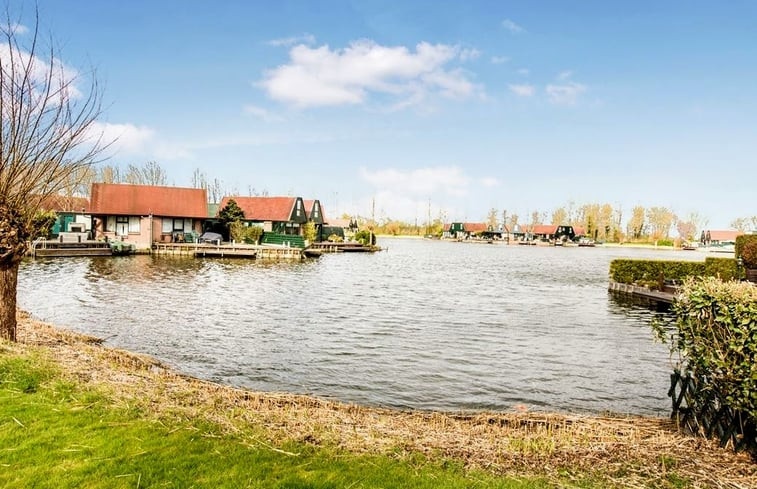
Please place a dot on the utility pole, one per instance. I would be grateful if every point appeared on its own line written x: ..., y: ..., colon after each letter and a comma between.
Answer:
x: 428, y: 223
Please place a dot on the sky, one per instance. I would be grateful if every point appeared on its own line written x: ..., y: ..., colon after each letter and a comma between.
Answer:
x: 456, y: 107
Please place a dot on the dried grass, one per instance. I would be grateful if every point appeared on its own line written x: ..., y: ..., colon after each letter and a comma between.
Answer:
x: 624, y: 451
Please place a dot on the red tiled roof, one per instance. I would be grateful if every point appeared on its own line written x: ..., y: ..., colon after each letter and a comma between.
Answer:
x: 62, y: 203
x: 543, y: 229
x: 724, y: 235
x: 579, y: 231
x: 475, y: 227
x: 309, y: 208
x: 278, y: 209
x: 341, y: 223
x: 143, y: 200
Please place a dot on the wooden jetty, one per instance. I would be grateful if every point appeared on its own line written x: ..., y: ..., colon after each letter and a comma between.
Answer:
x: 54, y: 249
x: 207, y: 250
x: 329, y: 247
x: 667, y: 295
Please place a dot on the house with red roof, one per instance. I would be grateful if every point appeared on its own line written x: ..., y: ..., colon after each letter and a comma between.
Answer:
x: 281, y: 215
x: 72, y: 213
x: 721, y: 237
x: 464, y: 230
x: 550, y: 232
x: 143, y: 214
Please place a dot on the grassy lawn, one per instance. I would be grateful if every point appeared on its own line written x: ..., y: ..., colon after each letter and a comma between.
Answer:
x: 55, y: 434
x: 74, y: 413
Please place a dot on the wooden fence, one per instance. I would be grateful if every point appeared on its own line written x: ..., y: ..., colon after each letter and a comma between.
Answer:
x: 700, y: 411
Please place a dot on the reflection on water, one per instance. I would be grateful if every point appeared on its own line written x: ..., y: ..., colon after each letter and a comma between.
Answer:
x: 428, y: 325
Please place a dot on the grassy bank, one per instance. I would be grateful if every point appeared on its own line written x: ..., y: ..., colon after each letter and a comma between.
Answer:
x: 76, y: 414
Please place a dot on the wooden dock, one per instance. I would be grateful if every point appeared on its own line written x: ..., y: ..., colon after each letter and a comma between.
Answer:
x: 328, y: 247
x: 667, y: 296
x: 206, y: 250
x: 55, y: 249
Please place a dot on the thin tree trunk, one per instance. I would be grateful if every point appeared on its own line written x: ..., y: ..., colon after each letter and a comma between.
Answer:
x: 8, y: 282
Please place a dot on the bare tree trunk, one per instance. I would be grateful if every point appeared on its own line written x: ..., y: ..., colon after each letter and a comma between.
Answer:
x: 8, y: 281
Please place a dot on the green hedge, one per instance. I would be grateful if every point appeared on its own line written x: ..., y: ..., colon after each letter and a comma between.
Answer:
x: 655, y: 272
x: 749, y: 240
x: 717, y: 338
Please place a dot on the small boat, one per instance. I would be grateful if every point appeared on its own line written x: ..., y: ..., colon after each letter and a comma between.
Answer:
x: 586, y: 243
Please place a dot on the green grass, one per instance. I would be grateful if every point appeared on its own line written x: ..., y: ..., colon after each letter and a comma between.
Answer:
x: 56, y: 433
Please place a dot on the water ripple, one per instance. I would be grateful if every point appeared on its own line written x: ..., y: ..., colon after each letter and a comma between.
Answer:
x: 427, y: 325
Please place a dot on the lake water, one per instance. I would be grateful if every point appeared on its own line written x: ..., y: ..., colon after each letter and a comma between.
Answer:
x: 425, y: 325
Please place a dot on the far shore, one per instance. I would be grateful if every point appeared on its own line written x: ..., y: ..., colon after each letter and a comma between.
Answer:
x: 623, y: 451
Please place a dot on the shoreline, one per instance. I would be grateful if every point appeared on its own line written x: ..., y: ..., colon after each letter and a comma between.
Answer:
x: 531, y: 444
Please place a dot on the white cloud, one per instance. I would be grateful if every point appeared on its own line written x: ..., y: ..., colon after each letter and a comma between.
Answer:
x: 523, y: 71
x: 564, y: 75
x: 522, y: 90
x: 421, y: 182
x: 512, y: 27
x: 489, y: 182
x: 291, y: 41
x: 121, y: 137
x: 498, y: 60
x: 262, y: 113
x: 61, y: 82
x: 566, y: 94
x: 322, y: 77
x: 469, y: 54
x: 18, y: 29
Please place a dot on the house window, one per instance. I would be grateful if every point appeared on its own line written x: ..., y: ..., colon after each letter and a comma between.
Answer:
x: 122, y: 225
x: 134, y: 222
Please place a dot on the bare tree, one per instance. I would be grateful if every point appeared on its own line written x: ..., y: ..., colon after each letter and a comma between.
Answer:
x: 109, y: 174
x: 47, y: 135
x: 151, y: 173
x: 492, y: 219
x: 215, y: 191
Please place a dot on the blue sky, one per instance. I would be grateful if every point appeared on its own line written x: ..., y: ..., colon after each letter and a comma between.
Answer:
x: 521, y: 106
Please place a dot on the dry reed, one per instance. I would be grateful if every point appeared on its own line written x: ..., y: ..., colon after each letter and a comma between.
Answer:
x: 622, y: 451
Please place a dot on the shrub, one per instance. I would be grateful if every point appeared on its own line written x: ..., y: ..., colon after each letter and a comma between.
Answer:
x: 723, y: 268
x: 655, y: 272
x: 365, y: 237
x: 43, y: 224
x: 746, y: 249
x: 629, y: 271
x: 717, y: 339
x: 665, y: 242
x: 244, y: 234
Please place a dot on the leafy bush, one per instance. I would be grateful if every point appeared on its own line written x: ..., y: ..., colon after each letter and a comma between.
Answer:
x: 746, y: 249
x: 717, y: 339
x: 245, y: 234
x: 655, y: 272
x: 43, y: 224
x: 628, y: 271
x: 309, y: 232
x: 665, y: 242
x: 365, y: 237
x: 722, y: 268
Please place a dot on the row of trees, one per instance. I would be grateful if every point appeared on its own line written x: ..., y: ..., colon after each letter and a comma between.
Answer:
x: 602, y: 222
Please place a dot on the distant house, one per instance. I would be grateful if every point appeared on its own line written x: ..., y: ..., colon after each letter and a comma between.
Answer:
x: 72, y: 212
x: 551, y: 233
x: 723, y: 237
x: 143, y: 214
x: 343, y: 228
x: 282, y: 215
x: 464, y: 230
